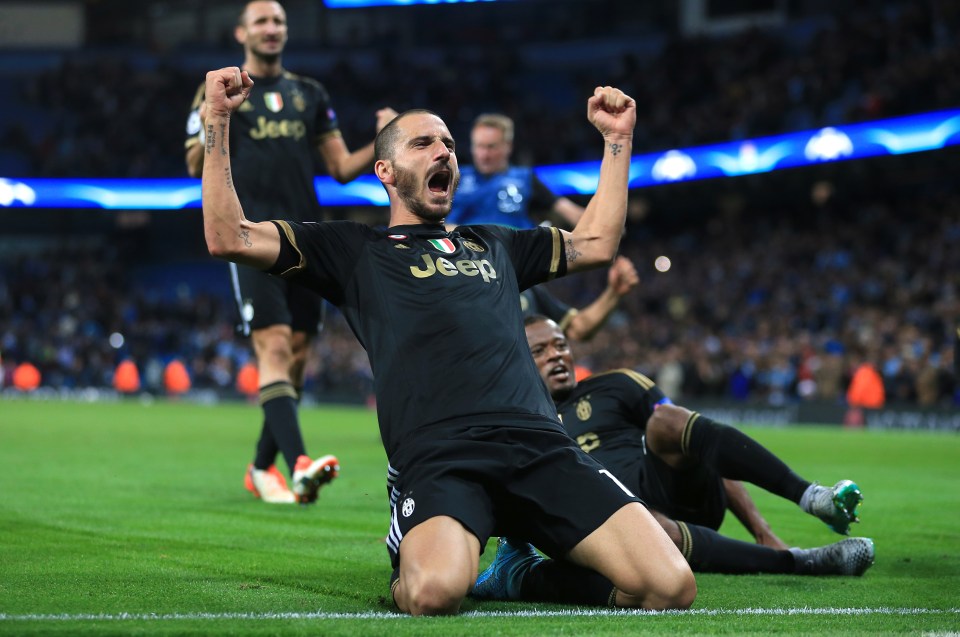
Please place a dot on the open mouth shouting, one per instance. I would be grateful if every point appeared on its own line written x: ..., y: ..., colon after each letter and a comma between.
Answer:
x: 440, y: 182
x: 559, y: 373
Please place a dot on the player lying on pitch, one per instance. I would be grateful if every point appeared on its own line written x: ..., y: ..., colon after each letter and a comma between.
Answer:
x: 687, y: 469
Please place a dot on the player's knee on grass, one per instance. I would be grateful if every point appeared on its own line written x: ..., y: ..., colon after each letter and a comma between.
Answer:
x: 439, y: 559
x: 672, y: 587
x: 433, y: 593
x: 632, y: 550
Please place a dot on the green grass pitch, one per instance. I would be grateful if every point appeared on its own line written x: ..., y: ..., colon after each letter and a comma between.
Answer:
x: 125, y: 518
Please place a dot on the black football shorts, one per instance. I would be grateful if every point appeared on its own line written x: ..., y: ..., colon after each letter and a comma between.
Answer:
x: 503, y: 480
x: 264, y: 299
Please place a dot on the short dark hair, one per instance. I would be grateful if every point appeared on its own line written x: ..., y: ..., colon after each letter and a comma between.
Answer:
x: 386, y: 140
x: 536, y: 318
x: 246, y: 5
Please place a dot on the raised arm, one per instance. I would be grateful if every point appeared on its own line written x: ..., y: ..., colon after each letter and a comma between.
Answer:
x: 228, y: 233
x: 194, y: 155
x: 587, y: 322
x: 344, y: 165
x: 594, y: 240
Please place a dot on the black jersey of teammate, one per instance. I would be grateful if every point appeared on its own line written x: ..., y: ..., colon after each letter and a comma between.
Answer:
x: 273, y: 137
x: 437, y: 313
x: 537, y: 300
x: 606, y: 414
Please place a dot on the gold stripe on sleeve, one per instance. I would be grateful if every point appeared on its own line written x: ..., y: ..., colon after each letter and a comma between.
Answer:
x: 567, y: 319
x: 685, y: 436
x: 292, y: 238
x: 323, y: 137
x: 636, y: 377
x: 555, y: 261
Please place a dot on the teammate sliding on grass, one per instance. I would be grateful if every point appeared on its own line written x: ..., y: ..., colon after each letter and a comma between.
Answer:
x: 686, y: 468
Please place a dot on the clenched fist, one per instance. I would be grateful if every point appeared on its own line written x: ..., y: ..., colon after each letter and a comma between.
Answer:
x: 226, y: 90
x: 612, y: 112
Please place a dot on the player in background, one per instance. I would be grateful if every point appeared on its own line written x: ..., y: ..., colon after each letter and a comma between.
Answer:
x: 465, y: 420
x: 493, y: 191
x: 275, y: 136
x: 686, y: 468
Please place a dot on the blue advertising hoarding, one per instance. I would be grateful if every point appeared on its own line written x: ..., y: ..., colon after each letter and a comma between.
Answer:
x: 895, y: 136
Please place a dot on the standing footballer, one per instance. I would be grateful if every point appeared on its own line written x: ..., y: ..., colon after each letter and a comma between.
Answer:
x: 273, y: 138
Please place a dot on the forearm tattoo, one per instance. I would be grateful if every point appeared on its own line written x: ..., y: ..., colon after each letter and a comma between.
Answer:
x: 572, y: 252
x: 615, y: 149
x: 226, y: 172
x: 211, y: 139
x: 223, y: 139
x: 245, y: 235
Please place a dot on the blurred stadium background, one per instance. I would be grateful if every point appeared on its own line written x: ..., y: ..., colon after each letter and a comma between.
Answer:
x: 783, y: 282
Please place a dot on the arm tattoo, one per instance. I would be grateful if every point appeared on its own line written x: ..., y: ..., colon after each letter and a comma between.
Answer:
x: 245, y: 235
x: 223, y: 139
x: 615, y: 149
x: 226, y: 172
x: 571, y: 252
x: 211, y: 139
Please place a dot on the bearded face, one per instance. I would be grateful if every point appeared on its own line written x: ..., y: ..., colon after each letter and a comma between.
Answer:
x: 263, y: 32
x: 429, y: 199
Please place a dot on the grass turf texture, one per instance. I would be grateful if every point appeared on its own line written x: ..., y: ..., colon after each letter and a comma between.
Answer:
x: 113, y: 509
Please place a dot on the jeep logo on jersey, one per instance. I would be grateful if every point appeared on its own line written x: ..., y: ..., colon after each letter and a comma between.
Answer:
x: 274, y: 129
x: 446, y: 267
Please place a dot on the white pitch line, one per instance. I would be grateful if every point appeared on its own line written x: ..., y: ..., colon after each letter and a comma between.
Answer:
x: 596, y: 612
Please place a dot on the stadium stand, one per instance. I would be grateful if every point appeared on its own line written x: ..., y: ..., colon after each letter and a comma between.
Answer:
x: 780, y: 284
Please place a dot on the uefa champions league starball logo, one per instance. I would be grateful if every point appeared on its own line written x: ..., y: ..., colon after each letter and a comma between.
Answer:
x: 407, y: 507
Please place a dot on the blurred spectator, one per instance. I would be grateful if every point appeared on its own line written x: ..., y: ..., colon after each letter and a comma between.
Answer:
x: 866, y: 386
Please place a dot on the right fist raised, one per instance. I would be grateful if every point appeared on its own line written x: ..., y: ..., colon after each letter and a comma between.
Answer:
x: 226, y: 90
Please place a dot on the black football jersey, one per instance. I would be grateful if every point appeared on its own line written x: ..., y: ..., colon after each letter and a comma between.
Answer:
x: 606, y: 414
x: 437, y: 313
x: 273, y: 140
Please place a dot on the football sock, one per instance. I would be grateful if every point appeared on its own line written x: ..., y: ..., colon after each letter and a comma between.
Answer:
x: 279, y: 403
x: 565, y: 583
x: 266, y: 449
x: 736, y: 456
x: 709, y: 552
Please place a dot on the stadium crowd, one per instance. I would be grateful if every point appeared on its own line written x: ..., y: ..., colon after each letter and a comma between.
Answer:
x: 885, y: 59
x: 763, y: 304
x: 769, y: 299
